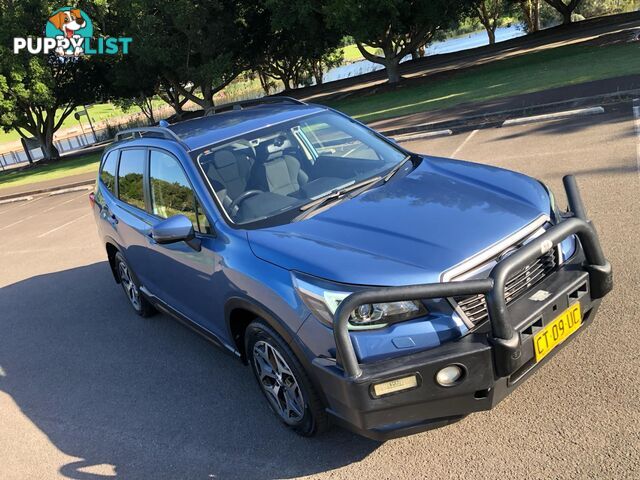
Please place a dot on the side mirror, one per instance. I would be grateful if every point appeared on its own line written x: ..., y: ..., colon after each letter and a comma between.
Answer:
x: 175, y: 229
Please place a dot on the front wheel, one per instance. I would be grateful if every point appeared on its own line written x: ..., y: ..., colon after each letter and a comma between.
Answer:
x: 283, y: 381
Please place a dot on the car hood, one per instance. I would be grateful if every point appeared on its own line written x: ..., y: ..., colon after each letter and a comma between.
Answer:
x: 411, y: 229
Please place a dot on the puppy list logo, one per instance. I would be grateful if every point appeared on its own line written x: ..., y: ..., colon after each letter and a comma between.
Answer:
x: 69, y: 32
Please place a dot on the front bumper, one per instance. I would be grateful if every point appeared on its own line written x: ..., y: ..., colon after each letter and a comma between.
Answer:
x: 494, y: 362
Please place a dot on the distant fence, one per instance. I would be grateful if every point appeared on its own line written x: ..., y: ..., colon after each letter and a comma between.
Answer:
x: 16, y: 157
x: 69, y: 144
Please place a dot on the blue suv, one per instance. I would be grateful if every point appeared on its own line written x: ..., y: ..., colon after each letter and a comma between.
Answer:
x: 365, y: 285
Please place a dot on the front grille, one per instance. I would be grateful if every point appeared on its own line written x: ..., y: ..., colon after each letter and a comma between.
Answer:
x: 475, y: 306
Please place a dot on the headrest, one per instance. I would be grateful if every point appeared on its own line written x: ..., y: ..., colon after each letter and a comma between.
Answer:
x: 223, y: 158
x: 278, y: 145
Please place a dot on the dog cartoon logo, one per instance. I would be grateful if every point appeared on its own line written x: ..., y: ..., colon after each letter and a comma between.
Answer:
x: 72, y: 24
x: 69, y: 34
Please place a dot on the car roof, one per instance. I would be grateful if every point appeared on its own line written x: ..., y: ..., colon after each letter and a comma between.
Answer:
x: 205, y: 131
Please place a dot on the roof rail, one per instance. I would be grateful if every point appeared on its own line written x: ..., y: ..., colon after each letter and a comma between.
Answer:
x: 140, y: 132
x: 251, y: 103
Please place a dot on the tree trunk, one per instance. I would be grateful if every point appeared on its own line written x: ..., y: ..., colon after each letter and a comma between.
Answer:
x: 317, y: 70
x: 49, y: 150
x: 264, y: 82
x: 531, y: 11
x: 392, y: 68
x: 491, y: 32
x: 177, y: 107
x: 564, y: 9
x: 207, y: 102
x: 286, y: 81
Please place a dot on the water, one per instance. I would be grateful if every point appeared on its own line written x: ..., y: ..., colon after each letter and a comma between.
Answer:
x: 473, y: 40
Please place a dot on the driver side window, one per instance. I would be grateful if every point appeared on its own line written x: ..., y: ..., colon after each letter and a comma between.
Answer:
x: 171, y: 192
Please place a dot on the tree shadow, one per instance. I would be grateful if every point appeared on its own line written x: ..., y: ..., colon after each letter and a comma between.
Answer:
x: 148, y: 396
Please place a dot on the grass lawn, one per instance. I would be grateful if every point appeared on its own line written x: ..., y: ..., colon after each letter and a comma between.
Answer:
x: 59, y: 169
x: 97, y: 112
x: 525, y: 74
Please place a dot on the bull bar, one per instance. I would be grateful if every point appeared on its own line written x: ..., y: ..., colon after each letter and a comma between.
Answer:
x: 504, y: 338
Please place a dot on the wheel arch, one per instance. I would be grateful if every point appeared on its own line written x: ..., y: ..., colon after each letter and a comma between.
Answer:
x: 239, y: 312
x: 112, y: 248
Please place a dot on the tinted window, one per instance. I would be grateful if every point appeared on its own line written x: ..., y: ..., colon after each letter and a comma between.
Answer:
x: 108, y: 172
x: 171, y: 192
x: 130, y: 175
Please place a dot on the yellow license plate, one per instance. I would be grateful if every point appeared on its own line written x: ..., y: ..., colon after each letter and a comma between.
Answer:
x: 557, y: 331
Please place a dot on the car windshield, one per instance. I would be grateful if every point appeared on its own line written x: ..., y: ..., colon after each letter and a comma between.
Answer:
x: 280, y: 168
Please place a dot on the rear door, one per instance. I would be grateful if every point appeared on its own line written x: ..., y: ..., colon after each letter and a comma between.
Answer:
x: 129, y: 214
x: 105, y: 193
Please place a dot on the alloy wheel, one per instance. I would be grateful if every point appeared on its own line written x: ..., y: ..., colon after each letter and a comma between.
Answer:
x: 278, y: 382
x: 129, y: 286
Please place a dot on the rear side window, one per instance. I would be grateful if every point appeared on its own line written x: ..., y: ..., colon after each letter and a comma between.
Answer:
x: 130, y: 177
x: 108, y: 172
x: 171, y: 192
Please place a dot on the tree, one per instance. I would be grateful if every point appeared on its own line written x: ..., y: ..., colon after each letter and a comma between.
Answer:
x: 396, y: 27
x: 197, y: 47
x: 38, y: 92
x: 489, y: 13
x: 173, y: 96
x: 565, y: 9
x: 597, y: 8
x: 133, y: 83
x: 530, y: 13
x: 299, y: 43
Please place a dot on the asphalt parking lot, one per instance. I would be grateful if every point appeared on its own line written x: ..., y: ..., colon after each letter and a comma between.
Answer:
x: 90, y: 391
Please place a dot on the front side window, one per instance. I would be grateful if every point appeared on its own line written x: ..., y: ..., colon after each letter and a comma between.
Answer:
x: 130, y: 177
x: 108, y: 171
x: 171, y: 192
x: 269, y: 174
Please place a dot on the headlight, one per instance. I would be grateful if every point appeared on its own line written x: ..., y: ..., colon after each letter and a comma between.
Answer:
x: 323, y: 299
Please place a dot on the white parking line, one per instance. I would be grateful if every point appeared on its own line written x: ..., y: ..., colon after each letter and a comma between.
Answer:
x: 63, y: 225
x: 16, y: 223
x: 21, y: 204
x: 466, y: 140
x: 636, y: 114
x: 64, y: 203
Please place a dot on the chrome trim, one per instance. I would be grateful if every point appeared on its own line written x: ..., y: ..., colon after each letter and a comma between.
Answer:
x: 463, y: 316
x: 470, y: 266
x: 494, y: 250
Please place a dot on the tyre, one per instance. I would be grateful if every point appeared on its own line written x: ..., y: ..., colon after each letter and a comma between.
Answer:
x: 131, y: 288
x: 283, y: 381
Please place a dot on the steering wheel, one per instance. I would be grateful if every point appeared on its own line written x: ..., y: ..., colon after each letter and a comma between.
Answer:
x: 243, y: 197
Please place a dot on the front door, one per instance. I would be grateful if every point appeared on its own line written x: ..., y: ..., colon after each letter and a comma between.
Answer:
x: 177, y: 274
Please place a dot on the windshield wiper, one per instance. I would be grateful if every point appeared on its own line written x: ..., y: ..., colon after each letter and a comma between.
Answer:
x: 336, y: 194
x: 396, y: 169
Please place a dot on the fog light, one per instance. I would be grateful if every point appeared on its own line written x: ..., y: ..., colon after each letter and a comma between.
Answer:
x: 397, y: 385
x: 449, y: 375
